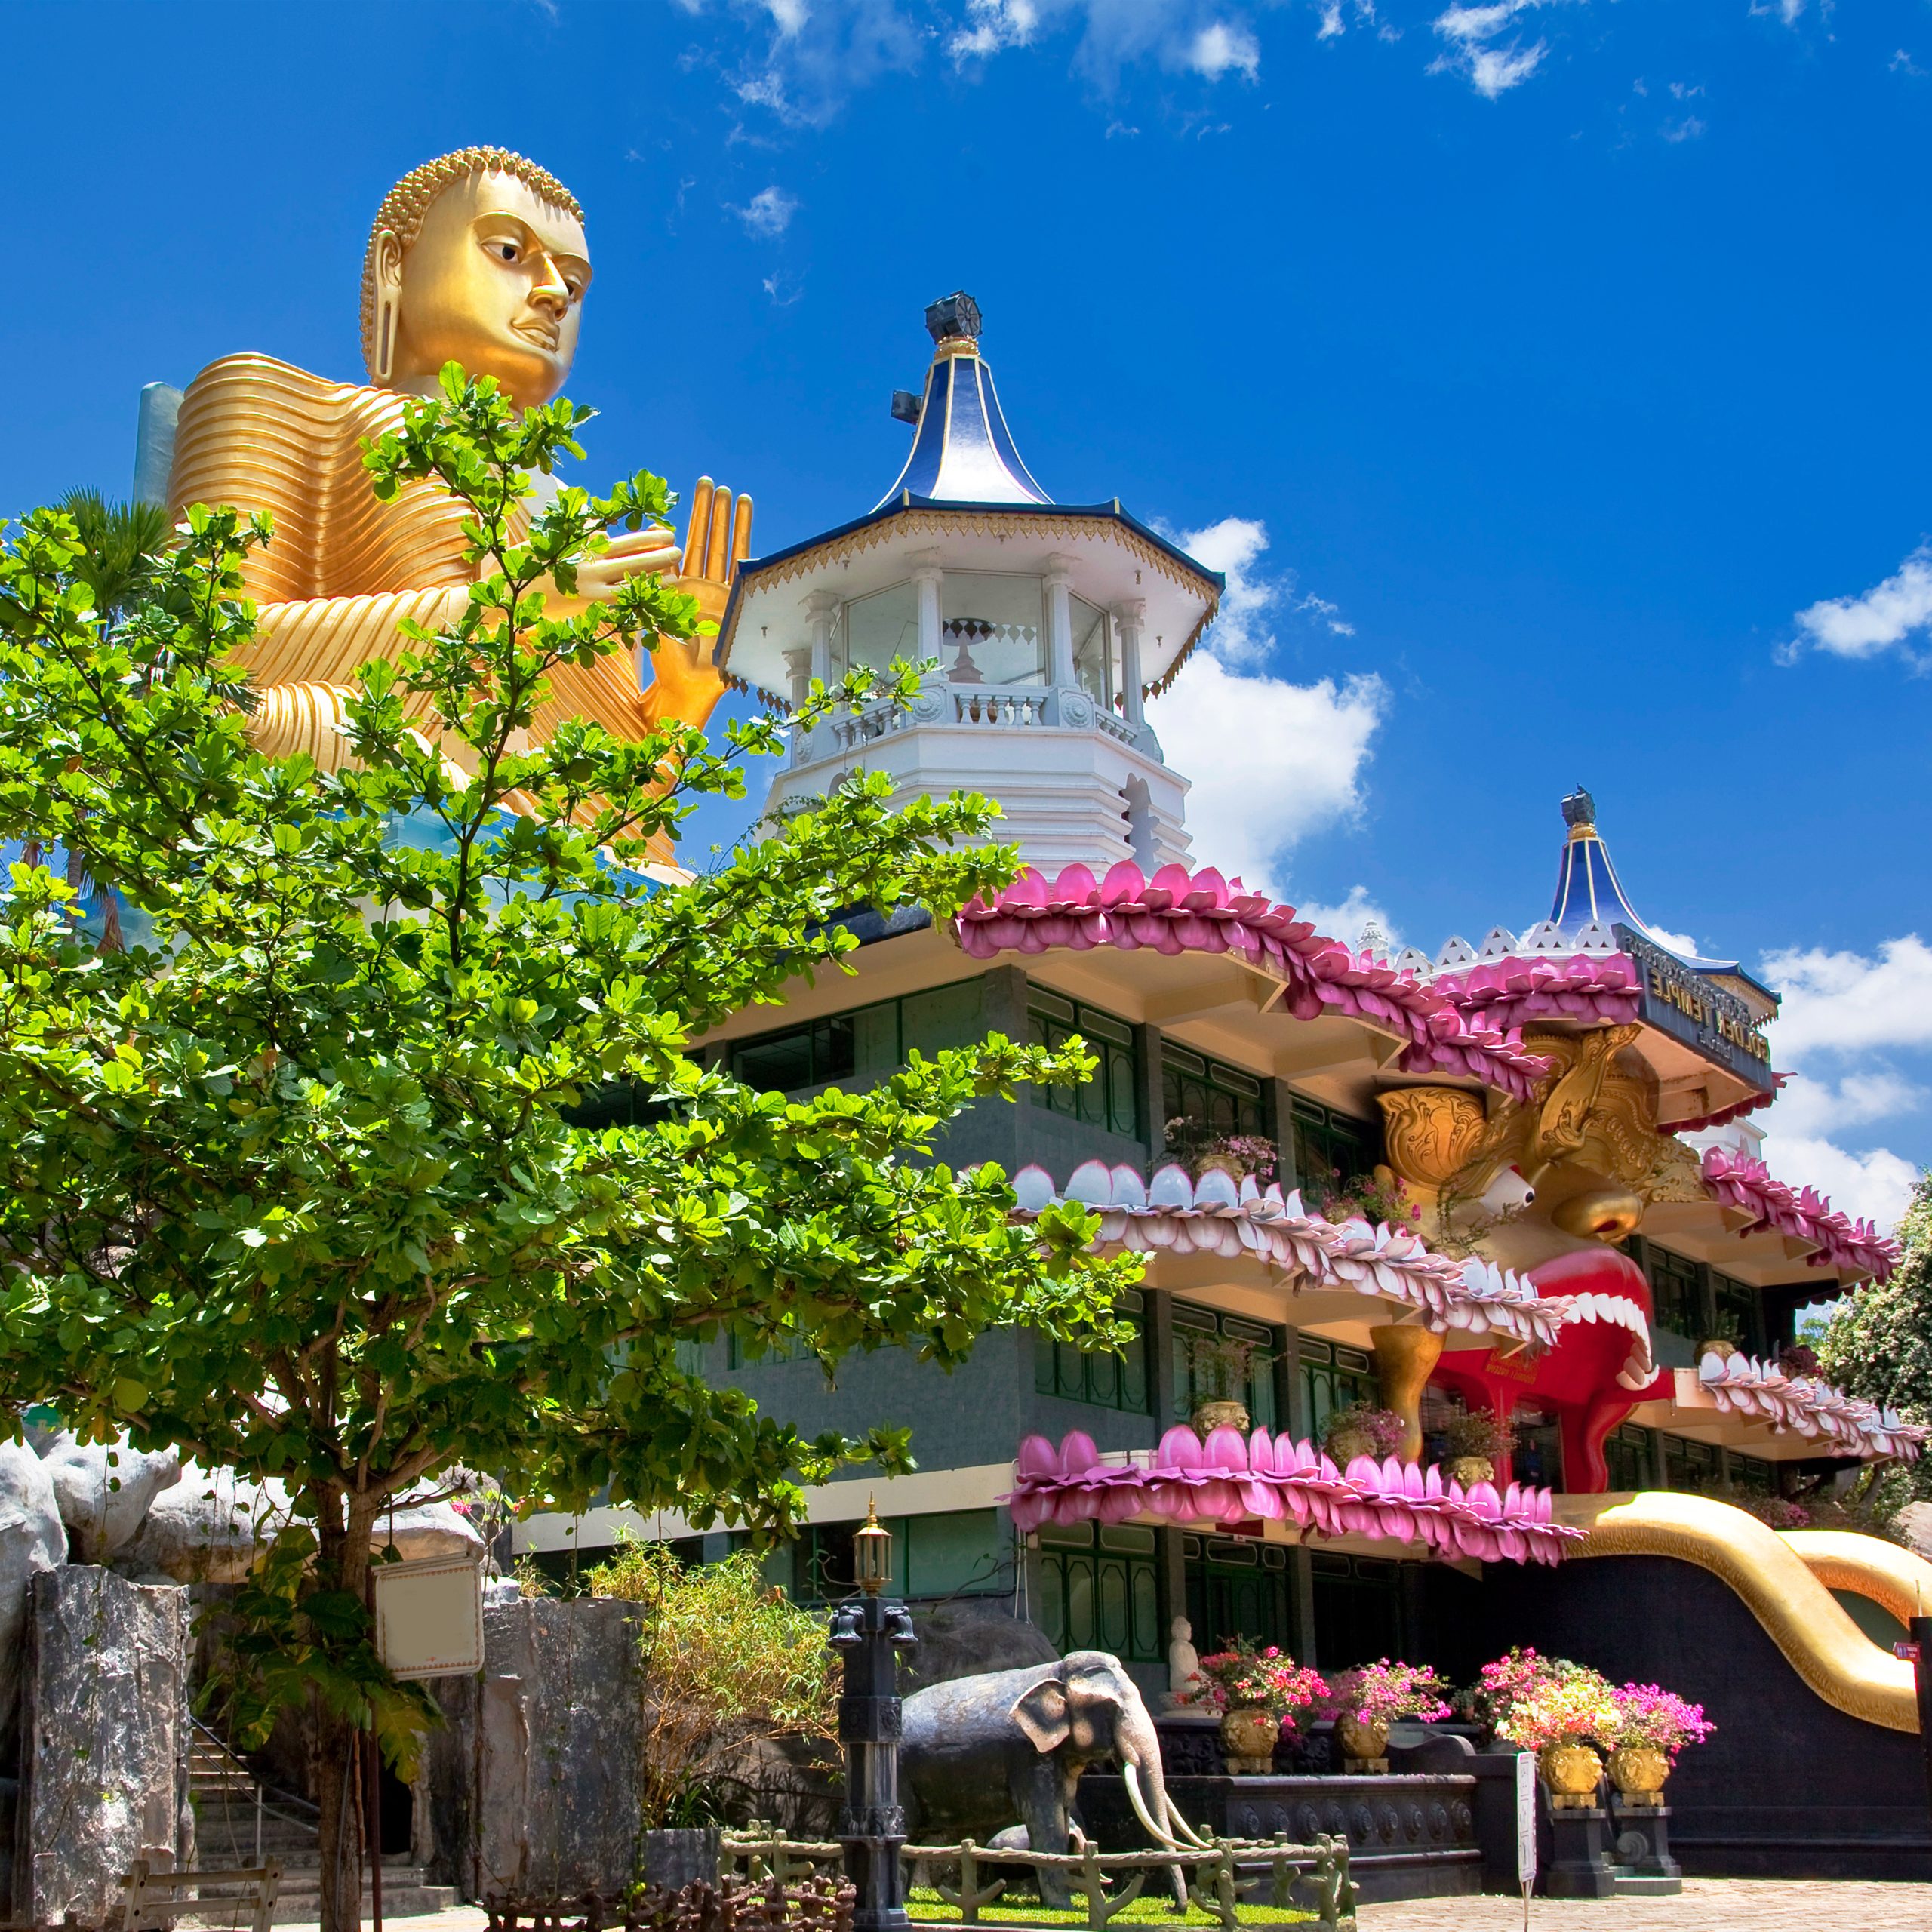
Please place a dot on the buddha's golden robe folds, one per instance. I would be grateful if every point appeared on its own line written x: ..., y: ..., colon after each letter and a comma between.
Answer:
x: 343, y: 570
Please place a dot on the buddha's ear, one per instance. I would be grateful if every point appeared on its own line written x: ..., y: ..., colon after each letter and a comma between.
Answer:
x: 389, y: 305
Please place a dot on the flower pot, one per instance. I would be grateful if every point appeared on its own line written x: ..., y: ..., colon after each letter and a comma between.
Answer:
x: 1572, y: 1771
x: 1219, y: 1164
x: 1724, y: 1351
x: 1363, y: 1741
x: 1247, y: 1736
x: 1638, y: 1771
x: 1210, y: 1416
x: 1470, y: 1470
x: 1345, y: 1445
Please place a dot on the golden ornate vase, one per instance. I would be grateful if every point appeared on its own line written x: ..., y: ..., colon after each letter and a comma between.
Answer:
x: 1638, y: 1772
x: 1573, y: 1772
x: 1470, y: 1470
x: 1210, y: 1416
x: 1247, y: 1736
x: 1363, y: 1741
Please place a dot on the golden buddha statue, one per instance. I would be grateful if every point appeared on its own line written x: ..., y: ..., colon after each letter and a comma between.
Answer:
x: 478, y: 258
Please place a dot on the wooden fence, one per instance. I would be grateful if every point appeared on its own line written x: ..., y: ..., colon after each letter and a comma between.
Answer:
x: 1216, y: 1876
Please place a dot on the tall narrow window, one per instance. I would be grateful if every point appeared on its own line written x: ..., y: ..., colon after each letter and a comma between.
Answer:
x: 992, y: 629
x: 872, y: 631
x: 1093, y: 653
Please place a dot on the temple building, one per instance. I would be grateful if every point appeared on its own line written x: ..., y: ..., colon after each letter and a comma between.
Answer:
x: 1517, y: 1180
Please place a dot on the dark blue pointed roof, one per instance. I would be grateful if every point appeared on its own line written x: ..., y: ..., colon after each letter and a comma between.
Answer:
x: 1589, y: 891
x: 962, y: 451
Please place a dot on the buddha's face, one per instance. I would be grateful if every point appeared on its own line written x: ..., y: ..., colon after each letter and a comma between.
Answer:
x: 494, y: 280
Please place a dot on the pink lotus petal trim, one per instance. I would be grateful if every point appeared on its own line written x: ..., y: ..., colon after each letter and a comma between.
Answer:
x: 1173, y: 1213
x: 1735, y: 1180
x: 1176, y: 912
x: 1742, y: 1384
x: 1230, y: 1481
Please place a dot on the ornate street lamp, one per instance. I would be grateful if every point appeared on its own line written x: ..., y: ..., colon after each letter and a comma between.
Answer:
x: 868, y: 1632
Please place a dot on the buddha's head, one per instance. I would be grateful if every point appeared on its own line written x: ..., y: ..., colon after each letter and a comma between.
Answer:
x: 479, y: 258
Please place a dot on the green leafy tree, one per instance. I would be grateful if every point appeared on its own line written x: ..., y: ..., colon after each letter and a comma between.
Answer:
x: 1879, y: 1344
x: 299, y: 1185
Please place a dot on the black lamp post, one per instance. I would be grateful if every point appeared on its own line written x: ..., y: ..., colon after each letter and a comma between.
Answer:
x: 868, y: 1633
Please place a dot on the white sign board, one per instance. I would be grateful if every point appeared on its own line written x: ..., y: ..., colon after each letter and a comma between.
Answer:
x: 1526, y: 1821
x: 429, y: 1616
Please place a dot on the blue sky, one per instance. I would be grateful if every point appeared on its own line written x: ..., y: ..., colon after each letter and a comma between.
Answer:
x: 1548, y: 374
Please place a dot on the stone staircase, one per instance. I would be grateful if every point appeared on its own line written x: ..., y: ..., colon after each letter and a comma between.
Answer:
x: 228, y: 1829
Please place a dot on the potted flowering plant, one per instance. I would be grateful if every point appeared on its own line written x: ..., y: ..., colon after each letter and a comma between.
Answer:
x: 1363, y: 1431
x: 1655, y: 1725
x: 1256, y: 1691
x: 1474, y: 1443
x: 1377, y: 1198
x: 1219, y: 1369
x: 1514, y: 1676
x: 1366, y: 1701
x: 1200, y: 1149
x: 1567, y: 1720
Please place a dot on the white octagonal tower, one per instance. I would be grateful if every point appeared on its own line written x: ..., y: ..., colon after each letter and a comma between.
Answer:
x: 1051, y: 625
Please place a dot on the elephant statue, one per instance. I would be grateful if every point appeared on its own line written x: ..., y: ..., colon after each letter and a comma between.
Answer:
x: 979, y: 1753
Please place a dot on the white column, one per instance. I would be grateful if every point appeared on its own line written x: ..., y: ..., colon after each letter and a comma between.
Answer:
x: 927, y: 574
x: 1128, y: 617
x: 1059, y: 623
x: 821, y: 606
x: 798, y: 667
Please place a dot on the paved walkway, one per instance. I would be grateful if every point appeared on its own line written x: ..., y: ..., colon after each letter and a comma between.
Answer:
x: 1706, y: 1904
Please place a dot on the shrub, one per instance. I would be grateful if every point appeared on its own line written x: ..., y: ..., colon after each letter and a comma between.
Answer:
x: 1479, y: 1433
x: 1382, y: 1431
x: 1382, y: 1692
x: 1245, y: 1678
x: 1659, y: 1719
x: 728, y: 1659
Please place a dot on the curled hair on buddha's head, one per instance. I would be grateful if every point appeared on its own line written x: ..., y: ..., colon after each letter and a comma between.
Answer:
x: 409, y: 201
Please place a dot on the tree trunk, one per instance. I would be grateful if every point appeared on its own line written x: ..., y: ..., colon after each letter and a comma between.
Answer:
x: 342, y: 1563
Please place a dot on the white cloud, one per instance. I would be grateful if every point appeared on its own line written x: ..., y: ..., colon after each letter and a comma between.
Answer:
x: 1293, y: 766
x: 1218, y: 47
x: 1233, y: 546
x: 1874, y: 1186
x: 993, y: 25
x: 1351, y: 918
x: 1678, y: 941
x: 769, y: 213
x: 1843, y: 1002
x: 1688, y: 129
x: 1882, y: 620
x: 1492, y: 70
x: 1850, y: 1012
x: 1182, y: 35
x: 1811, y: 1109
x: 1331, y: 19
x: 789, y: 16
x: 1902, y: 62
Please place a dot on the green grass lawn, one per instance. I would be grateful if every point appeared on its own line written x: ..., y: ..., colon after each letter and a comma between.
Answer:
x: 928, y: 1908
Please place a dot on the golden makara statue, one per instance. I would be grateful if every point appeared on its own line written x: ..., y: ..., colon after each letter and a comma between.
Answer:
x: 478, y: 258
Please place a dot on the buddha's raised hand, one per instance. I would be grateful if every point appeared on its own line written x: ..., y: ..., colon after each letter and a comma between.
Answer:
x: 684, y: 684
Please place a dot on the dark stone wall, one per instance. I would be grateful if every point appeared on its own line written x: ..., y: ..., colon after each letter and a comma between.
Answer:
x: 1789, y: 1787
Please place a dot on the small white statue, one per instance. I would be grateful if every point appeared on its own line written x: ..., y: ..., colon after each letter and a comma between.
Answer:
x: 1183, y: 1662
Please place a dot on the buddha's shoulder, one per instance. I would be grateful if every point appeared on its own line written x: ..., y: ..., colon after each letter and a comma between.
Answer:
x: 263, y: 385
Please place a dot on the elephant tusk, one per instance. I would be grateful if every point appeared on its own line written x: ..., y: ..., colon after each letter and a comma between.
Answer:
x: 1187, y: 1831
x: 1159, y: 1833
x: 1178, y: 1878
